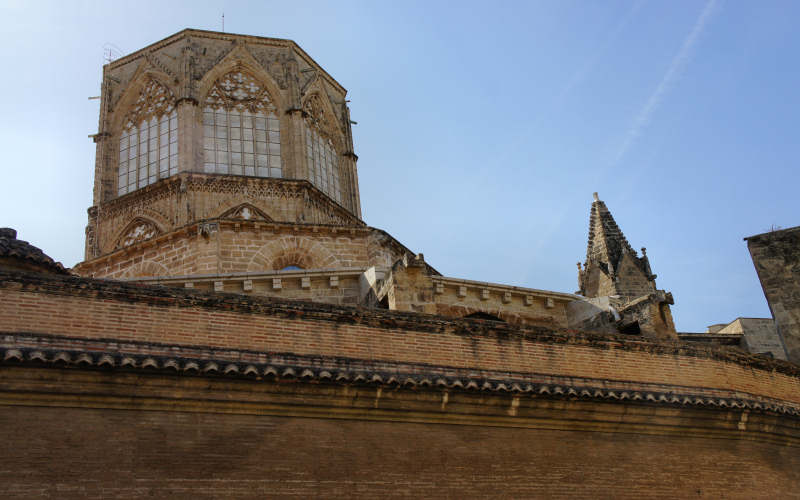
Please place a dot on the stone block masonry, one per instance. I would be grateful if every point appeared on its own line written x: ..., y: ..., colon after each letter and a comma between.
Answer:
x: 776, y: 256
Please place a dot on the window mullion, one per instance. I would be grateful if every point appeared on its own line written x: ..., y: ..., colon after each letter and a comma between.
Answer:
x: 229, y: 141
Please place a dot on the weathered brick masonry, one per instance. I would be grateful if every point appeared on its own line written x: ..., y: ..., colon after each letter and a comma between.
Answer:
x: 126, y: 454
x: 111, y: 389
x: 95, y: 309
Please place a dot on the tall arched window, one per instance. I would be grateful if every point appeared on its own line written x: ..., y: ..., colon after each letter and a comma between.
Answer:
x: 148, y: 144
x: 241, y: 131
x: 321, y: 155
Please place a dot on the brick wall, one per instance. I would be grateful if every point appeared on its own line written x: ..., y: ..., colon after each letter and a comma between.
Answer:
x: 107, y: 433
x: 95, y: 309
x: 106, y: 453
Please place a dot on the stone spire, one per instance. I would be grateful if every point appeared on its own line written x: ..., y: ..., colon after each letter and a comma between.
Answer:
x: 606, y: 244
x: 615, y: 276
x: 612, y: 266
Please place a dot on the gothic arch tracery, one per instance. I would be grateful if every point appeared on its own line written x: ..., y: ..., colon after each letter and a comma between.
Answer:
x: 148, y: 140
x: 319, y: 116
x: 139, y: 229
x: 323, y: 142
x: 245, y: 211
x: 239, y: 90
x: 241, y: 128
x: 154, y: 100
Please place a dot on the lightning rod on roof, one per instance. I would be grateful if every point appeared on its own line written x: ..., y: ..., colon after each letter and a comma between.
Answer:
x: 111, y: 52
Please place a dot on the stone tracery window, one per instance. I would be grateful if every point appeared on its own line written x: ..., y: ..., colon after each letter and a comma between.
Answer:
x: 321, y: 155
x: 241, y: 131
x: 148, y: 144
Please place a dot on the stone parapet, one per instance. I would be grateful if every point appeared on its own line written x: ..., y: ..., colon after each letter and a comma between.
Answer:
x: 333, y: 286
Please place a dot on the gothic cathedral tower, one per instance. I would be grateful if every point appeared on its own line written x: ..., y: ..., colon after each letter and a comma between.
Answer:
x: 212, y: 147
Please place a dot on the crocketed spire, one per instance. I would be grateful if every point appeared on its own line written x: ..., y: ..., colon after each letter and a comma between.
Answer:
x: 606, y: 243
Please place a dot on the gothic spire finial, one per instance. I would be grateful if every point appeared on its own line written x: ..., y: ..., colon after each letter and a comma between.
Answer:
x: 594, y: 195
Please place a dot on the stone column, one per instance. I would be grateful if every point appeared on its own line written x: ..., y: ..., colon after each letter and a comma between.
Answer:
x: 105, y: 159
x: 190, y: 131
x: 92, y: 250
x: 294, y: 159
x: 190, y: 136
x: 352, y: 159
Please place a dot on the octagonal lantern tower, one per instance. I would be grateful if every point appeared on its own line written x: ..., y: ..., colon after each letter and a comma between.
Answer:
x: 203, y: 129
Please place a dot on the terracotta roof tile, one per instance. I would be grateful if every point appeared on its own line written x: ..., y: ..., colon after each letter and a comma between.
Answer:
x: 26, y: 254
x: 361, y: 372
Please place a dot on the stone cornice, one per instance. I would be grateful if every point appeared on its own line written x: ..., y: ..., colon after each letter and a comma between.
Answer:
x: 216, y: 35
x: 65, y: 352
x: 190, y: 180
x: 496, y: 287
x: 778, y: 233
x: 341, y: 271
x: 249, y: 280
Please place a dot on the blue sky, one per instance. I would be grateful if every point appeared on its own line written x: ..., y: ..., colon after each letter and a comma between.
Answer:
x: 483, y: 128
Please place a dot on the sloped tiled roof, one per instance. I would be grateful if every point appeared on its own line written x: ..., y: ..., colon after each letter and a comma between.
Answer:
x: 26, y: 254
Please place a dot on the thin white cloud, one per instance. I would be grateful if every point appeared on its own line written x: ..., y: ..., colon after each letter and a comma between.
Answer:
x: 673, y: 72
x: 579, y: 76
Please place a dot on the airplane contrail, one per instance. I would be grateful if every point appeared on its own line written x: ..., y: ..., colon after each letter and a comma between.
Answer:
x: 673, y: 72
x: 587, y: 68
